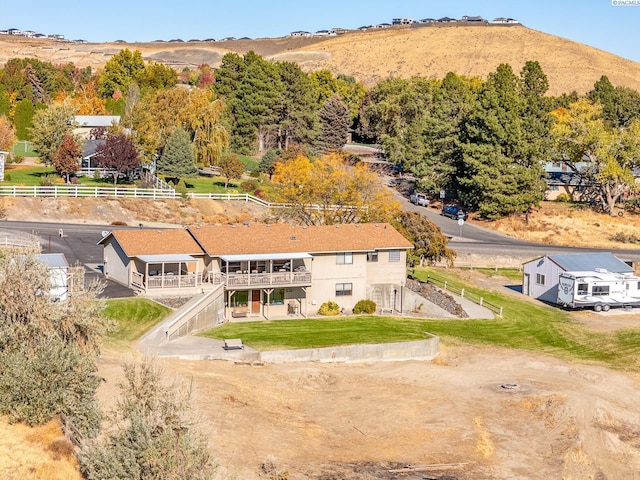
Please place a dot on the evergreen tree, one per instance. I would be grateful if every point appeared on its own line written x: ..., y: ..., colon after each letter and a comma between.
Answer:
x: 501, y: 171
x: 335, y: 119
x: 268, y: 162
x: 177, y: 159
x: 23, y: 119
x: 297, y: 121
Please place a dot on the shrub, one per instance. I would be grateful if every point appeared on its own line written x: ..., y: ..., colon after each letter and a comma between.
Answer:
x: 254, y: 174
x: 248, y: 186
x: 563, y: 197
x: 259, y: 193
x: 7, y: 177
x: 181, y: 188
x: 329, y: 308
x: 364, y: 306
x: 48, y: 180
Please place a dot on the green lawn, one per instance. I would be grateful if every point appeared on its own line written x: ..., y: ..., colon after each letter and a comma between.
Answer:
x: 134, y: 317
x: 524, y: 325
x: 511, y: 273
x: 26, y: 175
x: 24, y: 149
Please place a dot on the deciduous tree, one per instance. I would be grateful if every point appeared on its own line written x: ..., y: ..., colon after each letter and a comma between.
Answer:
x: 120, y: 71
x: 329, y: 191
x: 118, y: 155
x: 430, y: 244
x: 66, y: 159
x: 611, y: 154
x: 49, y: 128
x: 231, y: 167
x: 7, y: 134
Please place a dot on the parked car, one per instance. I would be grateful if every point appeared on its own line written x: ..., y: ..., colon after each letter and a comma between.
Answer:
x: 419, y: 199
x: 454, y: 212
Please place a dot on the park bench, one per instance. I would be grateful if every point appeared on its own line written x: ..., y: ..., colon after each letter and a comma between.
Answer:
x: 233, y: 344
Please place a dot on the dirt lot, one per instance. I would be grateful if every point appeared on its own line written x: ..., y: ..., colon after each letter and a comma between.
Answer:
x: 325, y: 422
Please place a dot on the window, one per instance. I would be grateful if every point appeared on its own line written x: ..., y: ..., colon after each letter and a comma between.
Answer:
x: 583, y: 289
x: 394, y: 256
x: 240, y: 299
x: 554, y: 188
x: 343, y: 289
x: 344, y: 258
x: 372, y: 256
x: 599, y: 290
x: 277, y: 297
x: 539, y: 279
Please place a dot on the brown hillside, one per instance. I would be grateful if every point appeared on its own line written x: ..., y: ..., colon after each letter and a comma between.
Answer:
x: 370, y: 56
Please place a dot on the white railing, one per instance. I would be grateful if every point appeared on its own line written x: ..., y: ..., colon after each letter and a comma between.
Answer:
x: 261, y: 279
x: 83, y: 191
x: 154, y: 193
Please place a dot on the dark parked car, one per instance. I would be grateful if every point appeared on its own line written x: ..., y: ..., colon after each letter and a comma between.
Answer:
x: 452, y: 211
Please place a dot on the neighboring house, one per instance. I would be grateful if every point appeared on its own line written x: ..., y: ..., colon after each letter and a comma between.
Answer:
x: 473, y: 19
x: 503, y: 20
x: 89, y: 164
x: 266, y: 270
x: 88, y: 122
x: 447, y: 20
x: 4, y: 156
x: 541, y: 275
x: 402, y: 21
x: 300, y: 33
x: 14, y: 31
x: 323, y: 33
x: 59, y: 272
x: 427, y: 20
x: 382, y: 25
x: 561, y: 178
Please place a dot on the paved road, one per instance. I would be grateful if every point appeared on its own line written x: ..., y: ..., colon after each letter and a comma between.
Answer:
x: 79, y: 244
x: 472, y: 239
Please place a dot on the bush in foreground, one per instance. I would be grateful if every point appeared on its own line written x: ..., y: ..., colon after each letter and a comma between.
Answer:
x: 152, y: 433
x: 329, y: 308
x: 365, y: 306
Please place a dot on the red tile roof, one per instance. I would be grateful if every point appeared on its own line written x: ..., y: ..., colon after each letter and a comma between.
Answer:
x: 285, y: 238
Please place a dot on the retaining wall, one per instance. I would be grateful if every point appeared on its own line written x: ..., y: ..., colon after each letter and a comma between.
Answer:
x: 426, y: 349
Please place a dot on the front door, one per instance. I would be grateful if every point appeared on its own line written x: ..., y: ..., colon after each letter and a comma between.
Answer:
x: 525, y: 286
x: 255, y: 301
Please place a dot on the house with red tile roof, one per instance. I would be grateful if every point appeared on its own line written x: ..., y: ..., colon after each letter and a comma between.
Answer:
x: 267, y: 271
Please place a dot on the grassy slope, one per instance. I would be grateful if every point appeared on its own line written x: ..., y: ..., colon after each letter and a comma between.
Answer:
x: 134, y: 317
x: 524, y: 325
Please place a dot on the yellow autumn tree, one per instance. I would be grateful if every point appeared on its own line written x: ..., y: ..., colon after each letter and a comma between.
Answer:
x: 329, y: 191
x: 603, y: 157
x: 87, y: 101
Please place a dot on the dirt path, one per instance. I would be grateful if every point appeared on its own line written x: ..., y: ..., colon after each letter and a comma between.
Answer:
x: 325, y: 422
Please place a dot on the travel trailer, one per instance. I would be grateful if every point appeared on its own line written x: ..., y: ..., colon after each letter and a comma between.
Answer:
x: 599, y: 289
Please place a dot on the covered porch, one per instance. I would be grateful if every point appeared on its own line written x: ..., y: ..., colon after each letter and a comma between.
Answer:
x: 263, y: 270
x: 158, y: 272
x: 266, y: 303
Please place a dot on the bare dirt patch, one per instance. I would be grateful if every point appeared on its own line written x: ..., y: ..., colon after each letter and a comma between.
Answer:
x: 557, y: 223
x: 338, y: 421
x: 129, y: 211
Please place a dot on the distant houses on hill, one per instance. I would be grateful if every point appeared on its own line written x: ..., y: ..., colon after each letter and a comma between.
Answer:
x: 465, y: 20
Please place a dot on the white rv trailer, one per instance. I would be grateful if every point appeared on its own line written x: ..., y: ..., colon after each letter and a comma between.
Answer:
x: 599, y: 289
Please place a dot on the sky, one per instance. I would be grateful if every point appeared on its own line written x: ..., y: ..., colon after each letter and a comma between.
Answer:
x: 598, y: 23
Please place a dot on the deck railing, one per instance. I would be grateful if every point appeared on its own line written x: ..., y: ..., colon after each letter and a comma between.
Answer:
x: 261, y: 279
